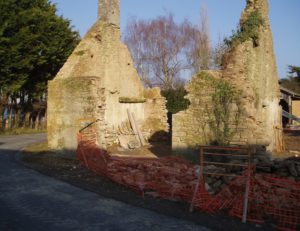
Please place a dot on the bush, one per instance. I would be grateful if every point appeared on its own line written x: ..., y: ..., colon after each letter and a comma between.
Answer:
x: 175, y: 99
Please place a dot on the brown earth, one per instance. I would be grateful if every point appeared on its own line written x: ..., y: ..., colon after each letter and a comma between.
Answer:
x: 292, y: 140
x: 71, y: 171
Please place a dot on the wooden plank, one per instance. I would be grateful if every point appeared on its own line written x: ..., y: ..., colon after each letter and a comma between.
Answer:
x: 142, y: 140
x: 128, y: 128
x: 133, y: 125
x: 224, y: 164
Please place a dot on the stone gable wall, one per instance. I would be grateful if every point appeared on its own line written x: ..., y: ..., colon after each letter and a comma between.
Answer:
x: 252, y: 71
x: 102, y: 55
x: 72, y: 100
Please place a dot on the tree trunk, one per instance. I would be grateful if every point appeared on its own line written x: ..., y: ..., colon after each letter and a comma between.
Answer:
x: 16, y: 118
x: 27, y: 120
x: 9, y: 119
x: 45, y: 120
x: 1, y: 117
x: 37, y: 121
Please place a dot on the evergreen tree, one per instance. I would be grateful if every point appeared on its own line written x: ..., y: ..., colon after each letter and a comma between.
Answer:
x: 294, y: 70
x: 293, y: 81
x: 34, y: 44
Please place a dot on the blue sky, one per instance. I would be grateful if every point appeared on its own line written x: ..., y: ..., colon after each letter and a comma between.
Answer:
x: 223, y: 18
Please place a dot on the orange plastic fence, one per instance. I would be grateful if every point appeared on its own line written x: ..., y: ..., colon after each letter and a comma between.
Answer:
x: 271, y: 199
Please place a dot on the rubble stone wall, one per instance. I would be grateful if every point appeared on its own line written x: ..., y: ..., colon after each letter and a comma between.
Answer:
x: 251, y: 69
x: 72, y: 97
x: 190, y: 127
x: 155, y: 123
x: 70, y: 103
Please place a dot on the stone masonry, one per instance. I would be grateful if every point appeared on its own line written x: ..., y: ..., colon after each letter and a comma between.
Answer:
x: 109, y: 11
x: 92, y: 82
x: 251, y: 69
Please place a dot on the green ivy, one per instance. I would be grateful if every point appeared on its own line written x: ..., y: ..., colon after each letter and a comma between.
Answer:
x: 248, y: 30
x: 224, y: 121
x: 175, y: 99
x: 224, y: 111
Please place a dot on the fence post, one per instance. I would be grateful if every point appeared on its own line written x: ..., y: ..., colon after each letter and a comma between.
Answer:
x: 247, y: 190
x: 199, y: 173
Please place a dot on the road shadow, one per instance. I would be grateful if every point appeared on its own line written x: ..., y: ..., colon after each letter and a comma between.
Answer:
x: 72, y: 172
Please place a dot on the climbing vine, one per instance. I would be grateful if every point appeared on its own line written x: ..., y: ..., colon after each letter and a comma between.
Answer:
x: 248, y: 30
x: 223, y: 112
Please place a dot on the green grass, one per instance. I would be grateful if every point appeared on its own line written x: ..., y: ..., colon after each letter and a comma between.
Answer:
x: 20, y: 131
x: 37, y: 148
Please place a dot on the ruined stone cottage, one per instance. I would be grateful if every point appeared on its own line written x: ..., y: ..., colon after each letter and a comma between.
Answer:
x: 99, y: 83
x: 249, y: 66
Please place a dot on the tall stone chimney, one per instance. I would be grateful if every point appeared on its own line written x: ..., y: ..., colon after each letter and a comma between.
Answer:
x: 109, y: 11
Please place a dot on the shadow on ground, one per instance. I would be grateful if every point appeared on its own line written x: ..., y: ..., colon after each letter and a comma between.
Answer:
x: 69, y: 170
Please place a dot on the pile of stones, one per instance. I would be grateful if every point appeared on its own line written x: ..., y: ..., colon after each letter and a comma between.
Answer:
x: 284, y: 168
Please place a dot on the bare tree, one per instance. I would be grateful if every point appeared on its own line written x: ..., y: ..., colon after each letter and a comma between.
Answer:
x: 164, y: 51
x: 219, y: 51
x: 134, y: 39
x: 201, y: 52
x: 160, y: 49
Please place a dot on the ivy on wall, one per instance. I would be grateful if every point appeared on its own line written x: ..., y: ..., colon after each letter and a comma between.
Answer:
x: 223, y: 111
x: 247, y: 30
x: 176, y: 100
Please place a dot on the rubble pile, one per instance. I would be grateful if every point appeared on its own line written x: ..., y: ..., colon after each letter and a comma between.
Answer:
x: 270, y: 197
x: 289, y: 167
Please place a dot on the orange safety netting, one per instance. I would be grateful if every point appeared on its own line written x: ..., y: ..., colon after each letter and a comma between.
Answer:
x: 271, y: 199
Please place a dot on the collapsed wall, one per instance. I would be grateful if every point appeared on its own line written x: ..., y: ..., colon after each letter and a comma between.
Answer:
x: 99, y: 83
x: 250, y: 68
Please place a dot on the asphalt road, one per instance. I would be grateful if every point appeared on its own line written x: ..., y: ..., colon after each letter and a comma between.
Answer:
x: 31, y: 201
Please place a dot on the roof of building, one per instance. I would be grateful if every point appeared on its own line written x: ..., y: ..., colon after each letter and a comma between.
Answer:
x: 289, y: 92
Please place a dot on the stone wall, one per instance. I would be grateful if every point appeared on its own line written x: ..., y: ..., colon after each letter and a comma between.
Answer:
x: 251, y: 69
x: 70, y: 101
x: 296, y: 109
x: 102, y: 55
x: 190, y: 127
x: 109, y: 11
x: 155, y: 124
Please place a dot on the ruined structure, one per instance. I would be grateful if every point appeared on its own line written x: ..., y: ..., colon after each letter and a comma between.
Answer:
x: 99, y: 83
x: 250, y: 67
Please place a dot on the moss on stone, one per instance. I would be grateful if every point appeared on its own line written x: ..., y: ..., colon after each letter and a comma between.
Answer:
x: 132, y: 100
x: 80, y: 53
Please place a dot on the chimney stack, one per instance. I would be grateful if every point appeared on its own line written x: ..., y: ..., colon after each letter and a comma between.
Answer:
x: 109, y: 11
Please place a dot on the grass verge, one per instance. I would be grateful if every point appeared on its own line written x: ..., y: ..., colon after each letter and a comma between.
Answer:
x: 21, y: 131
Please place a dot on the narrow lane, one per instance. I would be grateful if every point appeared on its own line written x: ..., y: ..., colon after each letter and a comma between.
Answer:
x: 31, y: 201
